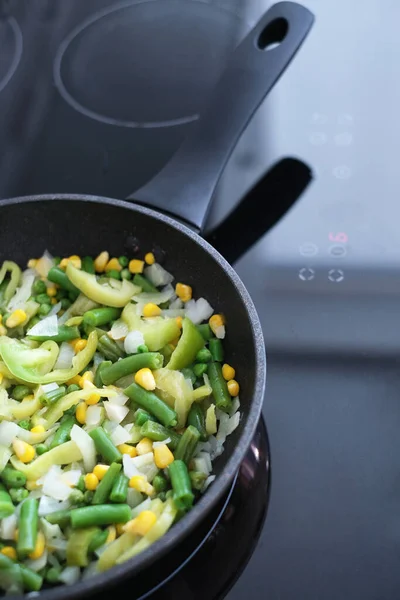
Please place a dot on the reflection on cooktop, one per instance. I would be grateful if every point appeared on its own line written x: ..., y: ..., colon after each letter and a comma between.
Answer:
x: 166, y: 65
x: 11, y: 49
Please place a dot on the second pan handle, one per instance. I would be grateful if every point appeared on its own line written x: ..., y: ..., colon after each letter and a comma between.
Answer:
x: 184, y: 188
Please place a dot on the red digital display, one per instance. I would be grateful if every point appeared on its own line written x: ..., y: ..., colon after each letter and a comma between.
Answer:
x: 340, y: 237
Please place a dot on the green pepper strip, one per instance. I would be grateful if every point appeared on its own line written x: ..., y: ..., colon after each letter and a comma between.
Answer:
x: 78, y: 546
x: 26, y: 363
x: 191, y: 341
x: 62, y: 455
x: 13, y: 268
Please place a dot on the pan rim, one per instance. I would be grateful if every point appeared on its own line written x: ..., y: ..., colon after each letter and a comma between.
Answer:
x: 175, y: 535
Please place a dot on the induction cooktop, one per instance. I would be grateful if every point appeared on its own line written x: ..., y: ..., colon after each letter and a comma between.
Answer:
x: 95, y: 96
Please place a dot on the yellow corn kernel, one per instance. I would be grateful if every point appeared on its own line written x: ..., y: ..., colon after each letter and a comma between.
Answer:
x: 39, y: 546
x: 63, y: 263
x: 184, y: 292
x: 149, y: 258
x: 215, y: 322
x: 38, y: 429
x: 151, y: 310
x: 163, y: 456
x: 16, y: 318
x: 140, y: 483
x: 74, y: 380
x: 179, y: 322
x: 113, y: 265
x: 24, y: 451
x: 93, y: 399
x: 32, y: 263
x: 120, y: 527
x: 10, y: 552
x: 144, y: 446
x: 142, y: 524
x: 80, y: 413
x: 87, y: 376
x: 100, y: 470
x: 31, y: 485
x: 228, y: 372
x: 112, y: 534
x: 136, y: 266
x: 76, y: 261
x: 51, y: 291
x: 1, y: 378
x: 127, y: 449
x: 233, y: 387
x: 3, y: 330
x: 79, y: 345
x: 145, y: 378
x: 53, y: 301
x: 101, y: 261
x: 91, y: 481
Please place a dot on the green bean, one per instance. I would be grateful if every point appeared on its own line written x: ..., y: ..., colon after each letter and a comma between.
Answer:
x: 106, y: 484
x: 62, y: 434
x: 126, y: 274
x: 216, y: 349
x: 59, y: 517
x: 131, y: 364
x: 13, y: 478
x: 187, y: 444
x: 58, y: 276
x: 42, y: 448
x: 98, y: 540
x: 19, y: 392
x: 109, y: 348
x: 102, y: 514
x: 197, y: 478
x: 181, y: 485
x: 221, y: 395
x: 142, y: 348
x: 101, y: 316
x: 65, y: 334
x: 44, y: 309
x: 97, y: 378
x: 53, y: 395
x: 160, y: 484
x: 104, y: 445
x: 81, y: 484
x: 18, y: 494
x: 141, y: 416
x: 196, y: 419
x: 39, y: 287
x: 25, y: 424
x: 152, y: 403
x: 205, y: 331
x: 119, y: 491
x: 53, y: 575
x: 88, y: 265
x: 187, y: 372
x: 203, y: 356
x: 199, y: 369
x: 144, y: 283
x: 27, y: 527
x: 43, y: 299
x: 6, y: 505
x: 157, y: 433
x: 76, y: 497
x: 32, y: 581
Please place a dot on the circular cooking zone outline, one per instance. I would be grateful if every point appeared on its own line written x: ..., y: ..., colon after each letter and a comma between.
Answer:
x: 18, y: 47
x: 94, y: 19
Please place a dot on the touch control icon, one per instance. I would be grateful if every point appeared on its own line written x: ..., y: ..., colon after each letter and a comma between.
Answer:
x: 336, y: 275
x: 306, y: 274
x: 308, y: 249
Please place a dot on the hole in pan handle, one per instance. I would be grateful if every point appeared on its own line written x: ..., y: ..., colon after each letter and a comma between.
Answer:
x: 184, y: 188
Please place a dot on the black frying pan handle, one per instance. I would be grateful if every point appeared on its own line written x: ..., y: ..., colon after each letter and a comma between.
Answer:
x: 185, y: 186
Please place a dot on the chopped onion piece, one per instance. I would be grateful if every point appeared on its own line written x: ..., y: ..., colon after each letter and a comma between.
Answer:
x: 24, y: 292
x: 119, y: 436
x: 37, y: 564
x: 53, y: 484
x: 172, y: 313
x: 156, y: 297
x: 115, y: 412
x: 119, y: 330
x: 8, y: 431
x: 207, y: 482
x: 5, y: 455
x: 176, y: 304
x: 120, y: 399
x: 49, y: 505
x: 134, y: 498
x: 55, y: 309
x: 158, y: 275
x: 8, y: 526
x: 133, y: 340
x: 49, y: 387
x: 94, y: 415
x: 220, y: 332
x: 162, y: 443
x: 86, y: 446
x: 130, y: 470
x: 44, y: 264
x: 71, y: 477
x: 70, y: 575
x: 97, y: 359
x: 46, y: 327
x: 198, y: 310
x: 65, y: 356
x: 145, y: 505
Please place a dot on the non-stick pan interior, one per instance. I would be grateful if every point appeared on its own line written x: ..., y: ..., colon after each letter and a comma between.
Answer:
x: 66, y: 225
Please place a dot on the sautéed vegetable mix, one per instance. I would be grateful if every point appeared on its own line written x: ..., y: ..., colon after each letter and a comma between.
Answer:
x: 114, y: 401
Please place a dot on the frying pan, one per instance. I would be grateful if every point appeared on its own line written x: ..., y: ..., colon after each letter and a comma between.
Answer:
x: 71, y: 224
